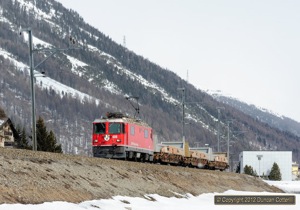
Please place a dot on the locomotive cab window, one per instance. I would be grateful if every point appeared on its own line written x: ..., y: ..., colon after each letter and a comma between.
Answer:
x: 132, y: 130
x: 146, y: 134
x: 99, y: 128
x: 115, y: 128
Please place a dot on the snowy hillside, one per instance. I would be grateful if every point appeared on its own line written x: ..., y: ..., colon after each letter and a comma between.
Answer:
x: 92, y: 78
x: 262, y: 114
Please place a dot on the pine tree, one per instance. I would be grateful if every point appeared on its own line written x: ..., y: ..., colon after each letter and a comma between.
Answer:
x: 46, y: 141
x: 52, y: 145
x: 41, y: 135
x: 275, y: 173
x: 23, y: 142
x: 249, y: 170
x: 246, y: 169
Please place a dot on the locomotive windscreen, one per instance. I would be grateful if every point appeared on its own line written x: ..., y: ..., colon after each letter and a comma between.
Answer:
x: 115, y: 128
x: 99, y: 128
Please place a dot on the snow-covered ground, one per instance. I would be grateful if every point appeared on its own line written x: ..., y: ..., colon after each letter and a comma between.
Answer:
x: 287, y: 186
x: 156, y: 202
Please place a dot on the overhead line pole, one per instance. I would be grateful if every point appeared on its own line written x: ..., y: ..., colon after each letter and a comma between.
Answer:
x: 31, y: 64
x: 219, y: 113
x: 183, y: 113
x: 32, y: 68
x: 228, y: 143
x: 183, y: 103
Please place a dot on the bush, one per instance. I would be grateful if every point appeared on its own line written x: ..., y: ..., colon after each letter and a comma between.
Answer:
x: 249, y: 170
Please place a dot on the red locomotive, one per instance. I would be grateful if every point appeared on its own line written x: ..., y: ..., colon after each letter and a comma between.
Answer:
x: 120, y: 137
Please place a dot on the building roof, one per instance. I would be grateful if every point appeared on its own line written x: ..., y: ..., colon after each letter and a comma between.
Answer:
x: 3, y: 121
x: 264, y: 151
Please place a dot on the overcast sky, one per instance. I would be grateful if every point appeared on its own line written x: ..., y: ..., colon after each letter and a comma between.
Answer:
x: 248, y: 49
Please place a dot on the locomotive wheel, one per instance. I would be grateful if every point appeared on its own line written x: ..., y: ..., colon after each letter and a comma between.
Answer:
x: 142, y: 158
x: 146, y: 157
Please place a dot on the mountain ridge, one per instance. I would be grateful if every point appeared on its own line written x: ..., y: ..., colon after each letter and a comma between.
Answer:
x: 262, y: 114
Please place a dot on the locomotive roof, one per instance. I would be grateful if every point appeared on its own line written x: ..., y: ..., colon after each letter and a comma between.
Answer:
x: 122, y: 119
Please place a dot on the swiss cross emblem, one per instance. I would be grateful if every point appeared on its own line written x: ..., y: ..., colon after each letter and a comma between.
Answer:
x: 106, y: 137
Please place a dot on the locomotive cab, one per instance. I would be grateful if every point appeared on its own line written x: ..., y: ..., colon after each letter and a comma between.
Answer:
x: 108, y: 138
x: 105, y: 133
x: 122, y: 137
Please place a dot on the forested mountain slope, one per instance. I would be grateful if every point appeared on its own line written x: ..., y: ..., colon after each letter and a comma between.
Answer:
x: 84, y: 83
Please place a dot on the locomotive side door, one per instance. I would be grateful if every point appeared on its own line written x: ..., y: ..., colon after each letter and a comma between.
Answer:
x: 124, y: 131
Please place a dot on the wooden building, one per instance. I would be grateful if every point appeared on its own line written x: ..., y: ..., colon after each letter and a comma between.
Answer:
x: 8, y: 133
